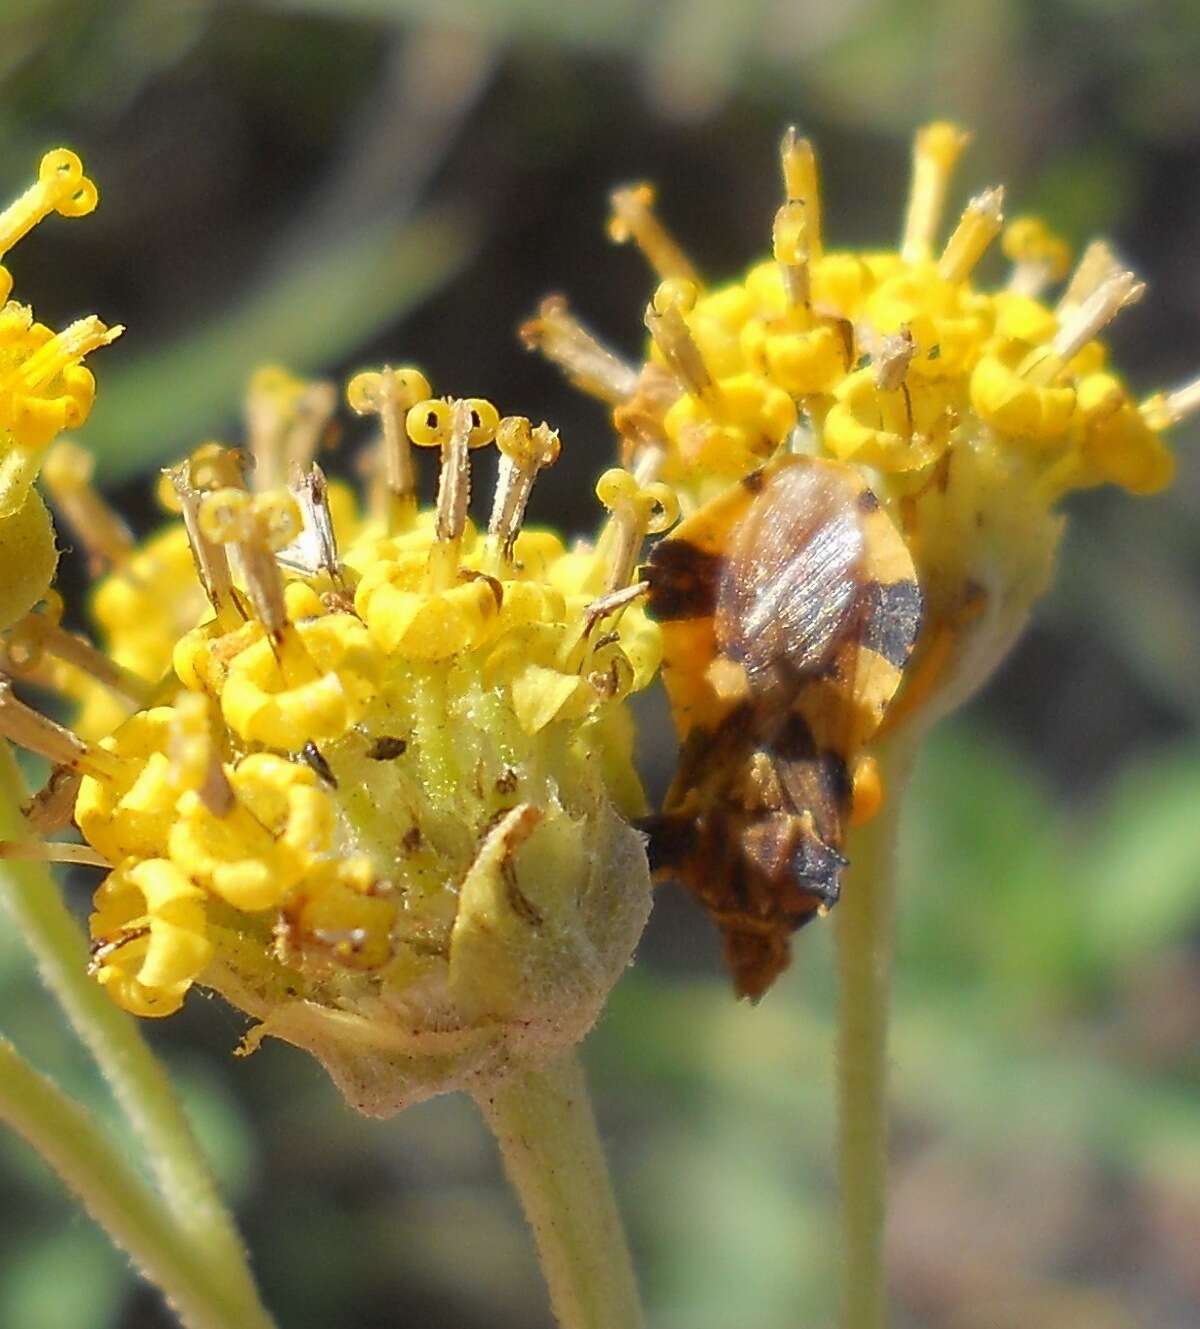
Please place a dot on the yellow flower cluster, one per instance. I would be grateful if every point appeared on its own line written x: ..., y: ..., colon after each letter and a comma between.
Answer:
x: 366, y: 769
x: 44, y: 388
x: 970, y: 412
x: 887, y: 358
x: 369, y: 747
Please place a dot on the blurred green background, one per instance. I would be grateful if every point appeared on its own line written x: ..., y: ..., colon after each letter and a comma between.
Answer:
x: 331, y: 182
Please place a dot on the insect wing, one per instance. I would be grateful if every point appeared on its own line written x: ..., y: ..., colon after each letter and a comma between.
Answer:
x: 845, y: 703
x: 789, y: 591
x: 685, y: 572
x: 788, y: 607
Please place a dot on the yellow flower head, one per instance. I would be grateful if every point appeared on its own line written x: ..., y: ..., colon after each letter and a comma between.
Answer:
x: 367, y: 773
x: 44, y: 388
x: 969, y: 412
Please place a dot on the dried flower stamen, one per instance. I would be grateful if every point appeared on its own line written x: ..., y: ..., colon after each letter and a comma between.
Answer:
x: 633, y: 218
x: 936, y: 151
x: 585, y: 360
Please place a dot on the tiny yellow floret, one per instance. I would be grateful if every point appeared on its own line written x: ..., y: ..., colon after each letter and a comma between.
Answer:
x: 44, y: 388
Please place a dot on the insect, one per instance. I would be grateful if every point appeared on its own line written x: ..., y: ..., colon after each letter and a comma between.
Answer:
x: 789, y: 606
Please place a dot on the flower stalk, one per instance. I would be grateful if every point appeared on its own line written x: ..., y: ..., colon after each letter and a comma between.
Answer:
x: 863, y: 932
x: 136, y: 1078
x: 118, y: 1199
x: 544, y: 1125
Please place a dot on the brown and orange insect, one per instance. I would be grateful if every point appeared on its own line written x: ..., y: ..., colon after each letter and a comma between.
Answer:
x: 789, y: 606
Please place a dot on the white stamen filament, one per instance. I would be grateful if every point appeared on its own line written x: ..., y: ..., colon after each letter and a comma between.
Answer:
x: 585, y: 360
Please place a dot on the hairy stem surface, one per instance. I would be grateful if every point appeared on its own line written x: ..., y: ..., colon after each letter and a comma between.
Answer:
x: 114, y: 1194
x: 863, y: 932
x: 544, y: 1125
x: 138, y: 1081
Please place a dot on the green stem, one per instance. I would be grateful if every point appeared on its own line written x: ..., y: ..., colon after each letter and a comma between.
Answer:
x: 113, y: 1193
x: 544, y: 1125
x: 863, y: 932
x: 137, y: 1079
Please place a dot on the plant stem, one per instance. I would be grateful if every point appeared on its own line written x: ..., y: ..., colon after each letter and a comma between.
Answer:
x: 863, y: 932
x: 544, y: 1125
x: 113, y: 1193
x: 136, y: 1077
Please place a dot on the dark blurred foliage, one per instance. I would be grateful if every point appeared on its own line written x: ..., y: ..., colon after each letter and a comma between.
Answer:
x: 331, y: 183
